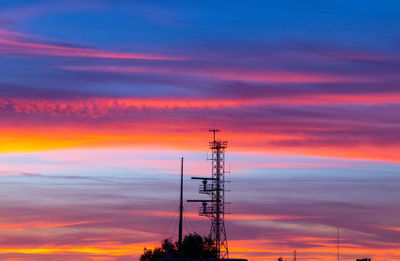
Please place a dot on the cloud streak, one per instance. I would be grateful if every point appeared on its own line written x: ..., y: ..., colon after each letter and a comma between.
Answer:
x: 10, y: 44
x: 102, y: 107
x: 102, y: 223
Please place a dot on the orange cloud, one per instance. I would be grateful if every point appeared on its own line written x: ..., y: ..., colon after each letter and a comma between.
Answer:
x: 391, y: 228
x: 254, y: 250
x: 267, y: 250
x: 49, y: 137
x: 110, y: 250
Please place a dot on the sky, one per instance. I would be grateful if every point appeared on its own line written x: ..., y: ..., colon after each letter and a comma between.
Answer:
x: 100, y: 99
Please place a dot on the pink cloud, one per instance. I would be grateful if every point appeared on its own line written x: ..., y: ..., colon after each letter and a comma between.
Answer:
x: 98, y: 107
x: 12, y: 43
x: 256, y: 76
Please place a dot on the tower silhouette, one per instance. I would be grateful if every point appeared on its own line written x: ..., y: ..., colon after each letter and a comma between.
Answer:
x: 214, y: 186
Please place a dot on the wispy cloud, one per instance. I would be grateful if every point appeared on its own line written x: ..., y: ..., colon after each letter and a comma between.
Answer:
x: 11, y: 43
x: 103, y: 107
x: 243, y: 75
x: 104, y: 220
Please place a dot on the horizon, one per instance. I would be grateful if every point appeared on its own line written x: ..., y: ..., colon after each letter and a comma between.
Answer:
x: 99, y: 100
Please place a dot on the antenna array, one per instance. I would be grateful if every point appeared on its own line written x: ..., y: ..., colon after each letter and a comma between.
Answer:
x: 214, y: 187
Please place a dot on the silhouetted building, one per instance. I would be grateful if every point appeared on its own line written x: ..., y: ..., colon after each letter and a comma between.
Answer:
x: 364, y: 259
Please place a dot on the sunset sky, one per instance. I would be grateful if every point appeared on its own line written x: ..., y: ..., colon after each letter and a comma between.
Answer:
x: 99, y: 99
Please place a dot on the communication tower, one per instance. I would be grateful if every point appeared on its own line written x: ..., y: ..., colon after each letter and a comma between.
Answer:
x: 214, y: 186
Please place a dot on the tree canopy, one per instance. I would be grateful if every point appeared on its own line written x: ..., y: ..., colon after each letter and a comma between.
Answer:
x: 193, y: 246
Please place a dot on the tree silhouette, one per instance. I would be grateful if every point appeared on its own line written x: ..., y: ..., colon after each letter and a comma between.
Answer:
x: 193, y: 246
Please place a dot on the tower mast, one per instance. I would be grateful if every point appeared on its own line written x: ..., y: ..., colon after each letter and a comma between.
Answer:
x: 181, y: 209
x: 216, y: 191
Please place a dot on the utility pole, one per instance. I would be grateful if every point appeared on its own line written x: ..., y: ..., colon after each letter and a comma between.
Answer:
x: 216, y: 191
x: 181, y: 209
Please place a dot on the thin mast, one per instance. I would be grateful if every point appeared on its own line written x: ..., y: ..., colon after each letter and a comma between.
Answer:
x: 181, y: 208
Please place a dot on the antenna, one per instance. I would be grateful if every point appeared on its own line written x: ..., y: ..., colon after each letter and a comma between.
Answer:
x: 214, y: 131
x: 216, y: 191
x: 181, y: 209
